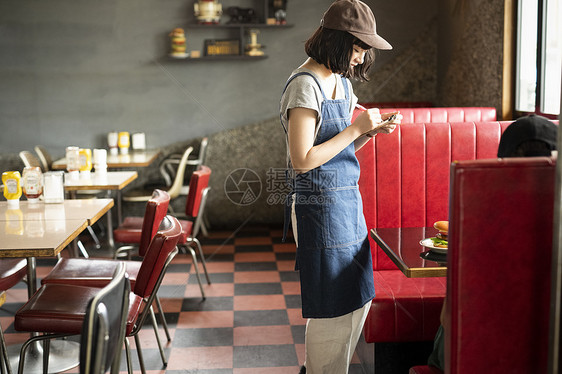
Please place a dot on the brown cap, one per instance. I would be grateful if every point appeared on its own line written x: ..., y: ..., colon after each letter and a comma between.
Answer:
x: 356, y: 18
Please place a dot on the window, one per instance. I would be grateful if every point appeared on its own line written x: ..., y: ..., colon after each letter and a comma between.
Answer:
x: 539, y: 57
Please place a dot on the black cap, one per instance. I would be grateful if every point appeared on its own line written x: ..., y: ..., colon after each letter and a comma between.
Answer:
x: 526, y: 128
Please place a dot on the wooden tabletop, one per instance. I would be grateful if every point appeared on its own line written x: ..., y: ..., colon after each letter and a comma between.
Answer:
x: 133, y: 159
x: 402, y: 245
x: 88, y: 209
x: 111, y: 180
x: 38, y: 238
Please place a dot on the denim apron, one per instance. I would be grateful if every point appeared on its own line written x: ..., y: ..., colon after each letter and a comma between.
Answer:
x: 333, y: 251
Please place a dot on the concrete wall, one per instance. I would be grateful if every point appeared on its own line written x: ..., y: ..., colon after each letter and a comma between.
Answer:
x: 73, y: 70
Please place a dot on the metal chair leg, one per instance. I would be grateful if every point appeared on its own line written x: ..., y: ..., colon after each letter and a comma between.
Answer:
x: 139, y: 353
x: 46, y: 351
x: 5, y: 357
x: 202, y: 259
x: 194, y: 257
x: 155, y: 327
x: 163, y: 318
x: 128, y: 356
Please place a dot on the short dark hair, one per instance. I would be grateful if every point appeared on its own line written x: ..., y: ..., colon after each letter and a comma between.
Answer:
x: 333, y: 48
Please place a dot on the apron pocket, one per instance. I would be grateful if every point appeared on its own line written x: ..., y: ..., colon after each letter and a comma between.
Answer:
x: 343, y: 217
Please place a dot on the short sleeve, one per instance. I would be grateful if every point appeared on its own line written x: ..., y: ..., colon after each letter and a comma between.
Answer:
x: 302, y: 92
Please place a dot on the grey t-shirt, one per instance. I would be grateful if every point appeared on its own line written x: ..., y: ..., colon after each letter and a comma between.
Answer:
x: 304, y: 92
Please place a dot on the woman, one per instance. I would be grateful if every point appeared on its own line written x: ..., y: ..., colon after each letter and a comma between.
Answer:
x: 333, y: 254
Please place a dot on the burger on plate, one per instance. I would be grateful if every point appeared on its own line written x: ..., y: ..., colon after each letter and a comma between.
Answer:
x: 440, y: 240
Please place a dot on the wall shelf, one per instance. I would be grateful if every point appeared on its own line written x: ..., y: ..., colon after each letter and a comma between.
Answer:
x: 241, y: 29
x: 218, y: 58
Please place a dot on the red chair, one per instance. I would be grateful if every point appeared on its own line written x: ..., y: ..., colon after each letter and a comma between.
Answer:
x: 98, y: 272
x: 58, y: 309
x: 12, y: 271
x: 499, y: 266
x: 194, y: 208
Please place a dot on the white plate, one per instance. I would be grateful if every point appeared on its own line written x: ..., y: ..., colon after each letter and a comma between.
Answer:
x: 428, y: 243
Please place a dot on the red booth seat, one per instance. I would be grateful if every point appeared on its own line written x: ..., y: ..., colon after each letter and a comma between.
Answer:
x: 405, y: 183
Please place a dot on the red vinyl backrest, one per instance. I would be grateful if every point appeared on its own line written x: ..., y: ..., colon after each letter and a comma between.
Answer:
x: 161, y: 245
x: 197, y: 184
x: 156, y: 209
x: 445, y: 114
x: 405, y: 175
x: 499, y: 265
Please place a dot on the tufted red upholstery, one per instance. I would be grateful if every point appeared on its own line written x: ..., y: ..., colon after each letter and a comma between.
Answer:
x: 447, y: 114
x: 405, y: 183
x: 498, y: 276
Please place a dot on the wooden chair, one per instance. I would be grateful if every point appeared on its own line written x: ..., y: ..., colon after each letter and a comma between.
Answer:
x: 103, y: 329
x: 44, y: 157
x: 30, y: 160
x: 143, y: 194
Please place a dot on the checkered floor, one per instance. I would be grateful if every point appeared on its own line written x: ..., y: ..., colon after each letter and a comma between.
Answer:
x: 250, y: 322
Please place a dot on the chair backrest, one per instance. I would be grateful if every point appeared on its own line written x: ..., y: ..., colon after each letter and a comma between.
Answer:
x: 103, y: 330
x: 197, y: 196
x: 175, y: 189
x: 499, y: 265
x: 201, y: 158
x: 29, y: 159
x: 162, y: 245
x: 44, y: 157
x: 156, y: 209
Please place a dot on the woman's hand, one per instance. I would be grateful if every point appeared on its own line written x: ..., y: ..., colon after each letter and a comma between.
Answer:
x: 386, y: 125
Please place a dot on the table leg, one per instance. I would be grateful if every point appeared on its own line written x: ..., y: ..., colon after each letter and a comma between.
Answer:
x: 119, y: 211
x: 110, y: 240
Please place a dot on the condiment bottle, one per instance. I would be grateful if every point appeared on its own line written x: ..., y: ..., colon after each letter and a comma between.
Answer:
x: 12, y: 188
x: 32, y: 183
x: 73, y: 161
x: 124, y: 142
x: 85, y: 159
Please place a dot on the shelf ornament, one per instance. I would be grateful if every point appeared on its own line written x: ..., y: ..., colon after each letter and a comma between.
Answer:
x: 253, y: 48
x: 177, y: 40
x: 208, y: 11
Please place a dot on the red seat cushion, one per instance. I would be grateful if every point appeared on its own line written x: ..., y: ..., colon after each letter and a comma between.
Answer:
x: 135, y: 303
x: 404, y: 309
x: 129, y: 231
x: 89, y: 272
x: 12, y: 270
x: 186, y: 230
x: 55, y: 308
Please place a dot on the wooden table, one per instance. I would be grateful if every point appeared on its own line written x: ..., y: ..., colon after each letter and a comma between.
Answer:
x: 402, y: 245
x: 44, y: 230
x: 110, y: 181
x: 133, y: 159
